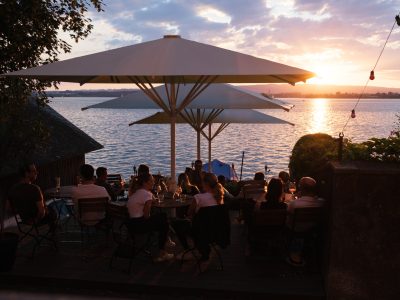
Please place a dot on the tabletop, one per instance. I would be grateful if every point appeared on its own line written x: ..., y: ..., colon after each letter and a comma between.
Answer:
x: 65, y: 192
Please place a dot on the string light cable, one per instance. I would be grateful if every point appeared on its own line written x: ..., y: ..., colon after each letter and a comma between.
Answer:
x: 371, y: 76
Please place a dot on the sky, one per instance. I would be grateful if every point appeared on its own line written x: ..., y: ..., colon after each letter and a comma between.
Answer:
x: 339, y: 40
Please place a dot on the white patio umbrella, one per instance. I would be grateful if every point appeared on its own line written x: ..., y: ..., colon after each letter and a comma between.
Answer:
x: 224, y: 118
x: 170, y: 60
x: 215, y: 98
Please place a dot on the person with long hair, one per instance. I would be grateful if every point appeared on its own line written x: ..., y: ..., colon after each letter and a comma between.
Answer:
x: 213, y: 195
x: 139, y: 207
x: 273, y: 197
x: 186, y: 186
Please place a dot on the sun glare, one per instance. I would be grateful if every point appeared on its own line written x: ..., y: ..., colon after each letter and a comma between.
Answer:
x: 319, y: 114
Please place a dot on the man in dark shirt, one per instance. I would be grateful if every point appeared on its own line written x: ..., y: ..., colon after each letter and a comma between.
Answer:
x: 27, y: 199
x: 101, y: 180
x: 197, y: 175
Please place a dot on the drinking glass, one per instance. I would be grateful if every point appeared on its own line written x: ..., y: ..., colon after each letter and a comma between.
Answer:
x: 292, y: 188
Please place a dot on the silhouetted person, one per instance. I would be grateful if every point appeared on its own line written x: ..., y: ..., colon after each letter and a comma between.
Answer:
x: 27, y: 199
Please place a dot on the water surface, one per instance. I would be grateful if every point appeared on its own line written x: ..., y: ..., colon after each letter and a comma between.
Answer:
x: 263, y: 144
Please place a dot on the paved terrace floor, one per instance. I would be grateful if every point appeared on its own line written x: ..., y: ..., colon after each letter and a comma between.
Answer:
x: 77, y: 271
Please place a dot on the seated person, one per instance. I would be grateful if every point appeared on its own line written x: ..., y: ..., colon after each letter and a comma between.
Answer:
x: 87, y: 189
x: 307, y: 198
x: 139, y: 207
x: 101, y: 180
x: 143, y: 169
x: 273, y: 197
x: 197, y: 175
x: 27, y: 199
x: 284, y: 176
x: 213, y: 195
x: 185, y: 185
x: 259, y: 176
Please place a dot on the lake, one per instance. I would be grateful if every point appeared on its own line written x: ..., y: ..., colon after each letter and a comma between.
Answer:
x: 126, y: 146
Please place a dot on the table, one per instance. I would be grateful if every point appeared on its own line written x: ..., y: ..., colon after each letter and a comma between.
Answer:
x: 65, y: 192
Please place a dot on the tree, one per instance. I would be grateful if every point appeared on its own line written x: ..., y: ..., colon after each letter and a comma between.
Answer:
x: 28, y: 38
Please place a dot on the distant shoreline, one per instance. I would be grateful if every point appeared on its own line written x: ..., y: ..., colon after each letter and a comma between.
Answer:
x: 119, y: 93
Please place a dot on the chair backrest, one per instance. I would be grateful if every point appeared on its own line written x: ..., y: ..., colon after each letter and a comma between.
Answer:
x: 117, y: 212
x: 307, y: 216
x: 212, y: 224
x: 92, y: 208
x: 270, y: 217
x: 114, y: 178
x: 252, y: 191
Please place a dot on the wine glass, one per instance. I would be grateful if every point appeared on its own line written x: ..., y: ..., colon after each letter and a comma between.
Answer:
x: 292, y: 188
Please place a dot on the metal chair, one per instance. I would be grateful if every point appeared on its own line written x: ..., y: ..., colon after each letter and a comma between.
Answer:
x: 32, y: 229
x: 126, y: 240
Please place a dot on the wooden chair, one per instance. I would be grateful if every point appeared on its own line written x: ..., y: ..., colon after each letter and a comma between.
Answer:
x: 114, y: 178
x: 305, y: 224
x: 267, y: 227
x: 91, y: 212
x: 306, y: 218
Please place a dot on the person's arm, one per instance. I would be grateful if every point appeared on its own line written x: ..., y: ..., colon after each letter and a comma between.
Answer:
x: 41, y: 208
x: 192, y: 209
x: 147, y: 209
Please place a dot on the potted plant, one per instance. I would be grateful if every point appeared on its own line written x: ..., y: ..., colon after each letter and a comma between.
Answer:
x: 8, y: 240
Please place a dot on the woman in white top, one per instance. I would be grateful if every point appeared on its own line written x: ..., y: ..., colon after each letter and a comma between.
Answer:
x: 213, y: 195
x: 139, y: 207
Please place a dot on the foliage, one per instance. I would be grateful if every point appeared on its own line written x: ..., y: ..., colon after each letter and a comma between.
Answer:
x: 375, y: 149
x: 311, y: 153
x: 29, y: 36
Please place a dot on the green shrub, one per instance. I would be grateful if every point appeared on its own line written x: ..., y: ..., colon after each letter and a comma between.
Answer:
x: 311, y: 153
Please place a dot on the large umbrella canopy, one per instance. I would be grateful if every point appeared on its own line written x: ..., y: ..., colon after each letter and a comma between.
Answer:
x: 224, y: 118
x: 219, y: 96
x: 170, y: 60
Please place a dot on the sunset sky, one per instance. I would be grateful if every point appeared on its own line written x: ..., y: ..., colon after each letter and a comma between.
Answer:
x: 339, y: 40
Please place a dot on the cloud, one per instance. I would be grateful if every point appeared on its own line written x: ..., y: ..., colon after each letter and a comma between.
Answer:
x: 340, y: 39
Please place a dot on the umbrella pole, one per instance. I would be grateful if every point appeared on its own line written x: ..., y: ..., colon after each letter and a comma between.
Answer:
x: 198, y: 134
x: 172, y: 102
x: 198, y: 144
x: 209, y: 148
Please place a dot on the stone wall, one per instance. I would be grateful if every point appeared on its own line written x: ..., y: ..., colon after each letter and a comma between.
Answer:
x: 363, y: 259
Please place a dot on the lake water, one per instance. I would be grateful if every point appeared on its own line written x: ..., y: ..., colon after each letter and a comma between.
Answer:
x: 263, y: 144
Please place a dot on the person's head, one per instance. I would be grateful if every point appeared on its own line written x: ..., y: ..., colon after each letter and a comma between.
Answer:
x: 259, y: 176
x: 28, y: 172
x: 183, y: 180
x: 284, y: 176
x: 211, y: 185
x: 307, y: 186
x: 143, y: 169
x: 101, y: 173
x: 222, y: 180
x: 275, y: 190
x: 143, y: 181
x: 198, y: 165
x: 87, y: 172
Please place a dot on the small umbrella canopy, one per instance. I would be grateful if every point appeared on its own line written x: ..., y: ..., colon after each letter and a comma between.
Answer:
x: 224, y: 118
x: 172, y: 61
x: 241, y: 116
x: 220, y: 168
x: 215, y: 96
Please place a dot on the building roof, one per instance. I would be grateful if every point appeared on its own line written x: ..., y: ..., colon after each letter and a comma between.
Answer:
x: 66, y: 140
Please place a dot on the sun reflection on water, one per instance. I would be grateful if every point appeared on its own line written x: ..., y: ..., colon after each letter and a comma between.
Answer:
x: 318, y: 122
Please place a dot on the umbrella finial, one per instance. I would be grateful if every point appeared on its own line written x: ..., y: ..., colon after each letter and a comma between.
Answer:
x: 172, y: 36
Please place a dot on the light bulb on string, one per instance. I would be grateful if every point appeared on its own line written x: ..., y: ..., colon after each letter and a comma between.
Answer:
x: 353, y: 113
x: 372, y: 75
